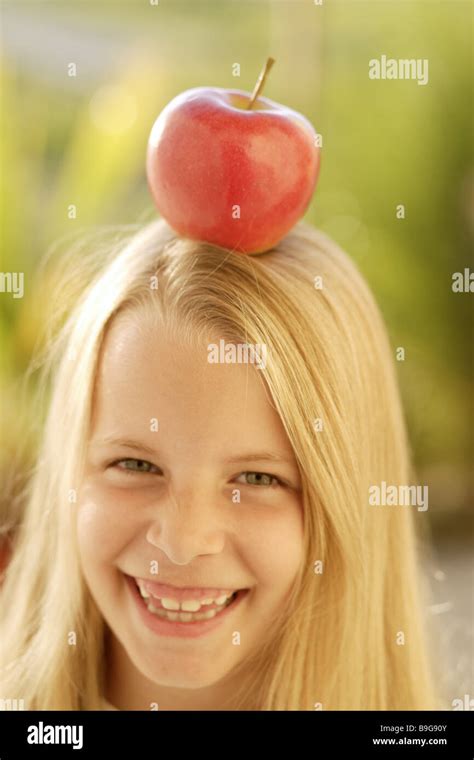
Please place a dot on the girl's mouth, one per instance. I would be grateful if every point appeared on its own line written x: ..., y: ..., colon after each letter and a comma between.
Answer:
x: 177, y: 621
x: 184, y: 612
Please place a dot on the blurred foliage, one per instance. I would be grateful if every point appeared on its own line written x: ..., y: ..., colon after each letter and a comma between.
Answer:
x: 68, y: 141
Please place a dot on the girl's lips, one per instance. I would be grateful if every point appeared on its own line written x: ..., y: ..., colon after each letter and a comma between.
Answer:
x: 194, y: 629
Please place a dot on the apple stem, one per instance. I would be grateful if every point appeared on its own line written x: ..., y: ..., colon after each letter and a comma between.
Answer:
x: 260, y: 82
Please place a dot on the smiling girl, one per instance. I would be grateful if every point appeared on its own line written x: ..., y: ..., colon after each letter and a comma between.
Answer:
x: 198, y: 535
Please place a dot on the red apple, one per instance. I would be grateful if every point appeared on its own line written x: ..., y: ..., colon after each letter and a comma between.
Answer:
x: 233, y: 175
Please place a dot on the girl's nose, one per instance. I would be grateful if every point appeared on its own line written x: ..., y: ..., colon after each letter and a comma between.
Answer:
x: 187, y: 527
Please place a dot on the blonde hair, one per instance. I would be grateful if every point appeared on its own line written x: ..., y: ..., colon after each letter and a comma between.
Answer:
x: 336, y: 645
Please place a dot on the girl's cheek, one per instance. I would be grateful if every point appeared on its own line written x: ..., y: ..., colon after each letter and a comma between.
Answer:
x: 272, y: 541
x: 105, y: 522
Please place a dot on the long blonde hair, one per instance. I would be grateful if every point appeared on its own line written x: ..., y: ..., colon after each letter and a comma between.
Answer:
x: 332, y: 379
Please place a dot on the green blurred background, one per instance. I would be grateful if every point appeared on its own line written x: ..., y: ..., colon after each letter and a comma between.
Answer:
x: 81, y: 140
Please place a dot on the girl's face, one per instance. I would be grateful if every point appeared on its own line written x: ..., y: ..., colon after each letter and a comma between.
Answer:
x: 174, y: 495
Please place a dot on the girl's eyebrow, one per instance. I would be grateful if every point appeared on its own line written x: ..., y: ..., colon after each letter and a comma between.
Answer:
x: 259, y: 456
x: 253, y: 456
x: 127, y: 443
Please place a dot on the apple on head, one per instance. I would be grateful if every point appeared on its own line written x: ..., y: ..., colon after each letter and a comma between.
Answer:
x: 230, y: 168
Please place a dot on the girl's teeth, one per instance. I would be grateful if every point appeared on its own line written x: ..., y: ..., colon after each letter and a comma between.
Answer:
x: 144, y: 594
x: 188, y: 605
x: 192, y: 605
x: 221, y: 599
x: 184, y: 617
x: 171, y: 604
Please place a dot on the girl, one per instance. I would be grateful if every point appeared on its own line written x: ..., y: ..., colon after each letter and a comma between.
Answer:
x: 199, y: 533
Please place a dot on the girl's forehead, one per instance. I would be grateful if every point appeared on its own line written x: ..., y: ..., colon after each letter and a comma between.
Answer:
x: 147, y: 372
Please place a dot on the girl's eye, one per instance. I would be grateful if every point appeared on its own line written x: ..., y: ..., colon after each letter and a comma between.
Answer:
x: 260, y: 479
x: 132, y: 466
x: 135, y: 465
